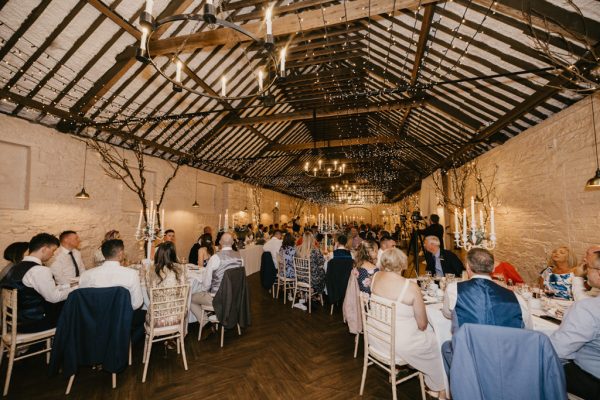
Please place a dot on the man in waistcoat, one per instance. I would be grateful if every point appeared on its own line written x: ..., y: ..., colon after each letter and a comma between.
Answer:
x: 220, y: 262
x: 39, y: 299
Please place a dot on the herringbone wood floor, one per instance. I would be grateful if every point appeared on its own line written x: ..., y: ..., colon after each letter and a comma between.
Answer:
x: 285, y: 354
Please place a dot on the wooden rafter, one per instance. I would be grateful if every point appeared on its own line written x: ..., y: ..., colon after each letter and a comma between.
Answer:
x: 286, y: 25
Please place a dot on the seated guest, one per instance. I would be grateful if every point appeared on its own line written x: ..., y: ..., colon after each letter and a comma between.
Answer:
x: 14, y: 254
x: 39, y: 299
x: 340, y: 248
x: 111, y: 273
x: 385, y: 242
x: 507, y: 271
x: 67, y: 263
x: 169, y: 236
x: 206, y: 250
x: 220, y: 262
x: 98, y: 257
x: 273, y: 245
x: 558, y: 277
x: 581, y: 288
x: 440, y: 261
x: 308, y: 251
x: 577, y: 340
x: 193, y: 255
x: 287, y: 252
x: 482, y: 301
x: 364, y: 265
x: 415, y: 341
x: 167, y: 272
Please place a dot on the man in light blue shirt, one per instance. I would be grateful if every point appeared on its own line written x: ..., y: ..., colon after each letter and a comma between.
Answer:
x: 578, y: 341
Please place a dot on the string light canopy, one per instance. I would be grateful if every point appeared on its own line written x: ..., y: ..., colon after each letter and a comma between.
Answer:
x: 594, y: 182
x: 271, y: 65
x: 325, y: 169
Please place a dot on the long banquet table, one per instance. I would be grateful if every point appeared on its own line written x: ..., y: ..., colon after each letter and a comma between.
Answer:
x: 251, y: 256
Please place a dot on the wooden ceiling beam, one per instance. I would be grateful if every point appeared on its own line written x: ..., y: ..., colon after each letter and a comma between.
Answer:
x: 324, y: 144
x: 308, y: 114
x: 115, y: 17
x: 260, y: 14
x: 286, y: 25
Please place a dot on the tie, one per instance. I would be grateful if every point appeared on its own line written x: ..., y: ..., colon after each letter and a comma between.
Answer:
x: 74, y: 263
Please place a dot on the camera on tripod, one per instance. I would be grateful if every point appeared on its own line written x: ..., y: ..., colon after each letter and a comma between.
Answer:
x: 416, y: 217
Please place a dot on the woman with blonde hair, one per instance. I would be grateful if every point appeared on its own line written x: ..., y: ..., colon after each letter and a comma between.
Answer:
x: 110, y: 235
x: 415, y: 341
x: 557, y: 278
x: 309, y: 251
x: 364, y: 264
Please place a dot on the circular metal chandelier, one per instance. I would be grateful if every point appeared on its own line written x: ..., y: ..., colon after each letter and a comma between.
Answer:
x: 322, y: 169
x: 272, y: 69
x: 356, y: 194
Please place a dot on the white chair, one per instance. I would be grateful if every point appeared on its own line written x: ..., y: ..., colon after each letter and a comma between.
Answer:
x: 379, y: 322
x: 213, y: 318
x: 303, y: 281
x: 168, y: 307
x: 12, y: 341
x: 282, y: 280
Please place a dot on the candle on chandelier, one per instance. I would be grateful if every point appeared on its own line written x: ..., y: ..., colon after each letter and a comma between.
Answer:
x: 144, y: 39
x: 178, y: 66
x: 343, y: 168
x: 315, y: 171
x: 473, y: 223
x: 306, y: 166
x: 219, y: 223
x: 465, y: 224
x: 320, y: 163
x: 223, y: 86
x: 149, y: 6
x: 456, y: 221
x: 139, y: 225
x: 329, y: 172
x: 162, y: 222
x: 260, y: 80
x: 282, y: 63
x: 492, y: 223
x: 268, y: 20
x: 481, y: 220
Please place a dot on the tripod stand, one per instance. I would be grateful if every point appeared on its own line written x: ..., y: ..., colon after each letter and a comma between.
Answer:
x: 413, y: 246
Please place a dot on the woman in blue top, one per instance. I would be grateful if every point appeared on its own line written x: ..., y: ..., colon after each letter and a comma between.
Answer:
x: 287, y: 252
x: 364, y: 264
x: 558, y: 277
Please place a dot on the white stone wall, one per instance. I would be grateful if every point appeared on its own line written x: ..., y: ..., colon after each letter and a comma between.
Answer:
x: 53, y: 176
x: 540, y: 183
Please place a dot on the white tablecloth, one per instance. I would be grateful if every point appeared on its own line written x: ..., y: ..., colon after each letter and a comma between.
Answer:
x: 252, y: 255
x: 443, y: 327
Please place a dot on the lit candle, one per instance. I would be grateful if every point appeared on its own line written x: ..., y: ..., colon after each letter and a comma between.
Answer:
x: 282, y: 62
x: 481, y: 220
x: 219, y: 222
x: 178, y: 65
x: 144, y: 39
x: 223, y: 86
x: 260, y: 80
x: 320, y: 163
x: 456, y: 221
x: 139, y: 225
x: 149, y: 6
x: 492, y: 222
x: 343, y: 168
x: 465, y: 224
x: 473, y: 223
x: 315, y: 171
x: 268, y: 20
x: 162, y: 221
x: 329, y: 172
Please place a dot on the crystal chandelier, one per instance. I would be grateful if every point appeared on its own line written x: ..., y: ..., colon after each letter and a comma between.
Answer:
x: 271, y: 67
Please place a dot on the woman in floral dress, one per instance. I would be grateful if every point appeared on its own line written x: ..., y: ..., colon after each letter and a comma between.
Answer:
x: 364, y: 264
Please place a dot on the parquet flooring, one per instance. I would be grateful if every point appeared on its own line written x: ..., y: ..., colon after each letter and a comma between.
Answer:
x: 285, y: 354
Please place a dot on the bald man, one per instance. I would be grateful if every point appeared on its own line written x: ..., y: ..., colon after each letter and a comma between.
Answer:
x: 220, y: 262
x: 581, y: 289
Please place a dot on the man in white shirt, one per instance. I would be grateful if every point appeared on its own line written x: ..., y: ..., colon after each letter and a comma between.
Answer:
x: 580, y: 288
x: 220, y: 262
x: 385, y: 243
x: 67, y: 263
x: 111, y: 273
x: 273, y: 245
x: 39, y: 298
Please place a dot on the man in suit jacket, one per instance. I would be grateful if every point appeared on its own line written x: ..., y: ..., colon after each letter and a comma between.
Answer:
x: 440, y: 261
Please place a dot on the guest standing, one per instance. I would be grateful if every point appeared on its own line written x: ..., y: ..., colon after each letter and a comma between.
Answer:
x: 577, y: 341
x: 415, y: 341
x: 39, y: 299
x: 434, y: 229
x: 14, y: 254
x: 67, y: 263
x: 167, y: 272
x: 557, y: 278
x: 309, y: 251
x: 439, y: 261
x: 364, y: 265
x: 340, y: 248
